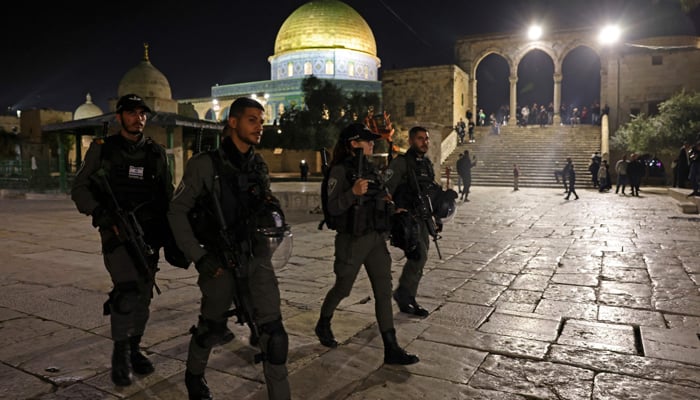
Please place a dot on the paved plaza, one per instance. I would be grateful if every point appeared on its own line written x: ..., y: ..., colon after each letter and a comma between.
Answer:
x: 535, y: 297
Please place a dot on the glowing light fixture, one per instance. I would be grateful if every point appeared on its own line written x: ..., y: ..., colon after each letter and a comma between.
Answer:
x: 609, y: 34
x: 535, y: 32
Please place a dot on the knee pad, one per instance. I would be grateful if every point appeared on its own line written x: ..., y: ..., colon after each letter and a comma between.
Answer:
x: 124, y: 297
x: 277, y: 344
x: 209, y: 333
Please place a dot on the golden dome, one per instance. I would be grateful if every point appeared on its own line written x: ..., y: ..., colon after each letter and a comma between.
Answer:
x: 323, y: 24
x: 145, y: 80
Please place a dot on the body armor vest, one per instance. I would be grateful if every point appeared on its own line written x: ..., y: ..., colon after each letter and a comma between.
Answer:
x: 133, y: 174
x: 242, y: 194
x: 373, y: 212
x: 406, y: 193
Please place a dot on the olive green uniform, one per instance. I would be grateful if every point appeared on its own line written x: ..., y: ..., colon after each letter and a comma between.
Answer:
x: 217, y: 292
x: 360, y: 239
x: 139, y: 176
x: 400, y: 185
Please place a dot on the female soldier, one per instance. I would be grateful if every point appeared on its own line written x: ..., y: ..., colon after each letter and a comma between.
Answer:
x: 361, y: 207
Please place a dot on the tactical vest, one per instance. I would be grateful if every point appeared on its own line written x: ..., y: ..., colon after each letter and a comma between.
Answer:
x: 406, y: 192
x: 373, y: 212
x: 243, y: 191
x: 134, y: 171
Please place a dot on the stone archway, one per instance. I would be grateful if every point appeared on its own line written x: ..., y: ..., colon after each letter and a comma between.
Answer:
x: 470, y: 51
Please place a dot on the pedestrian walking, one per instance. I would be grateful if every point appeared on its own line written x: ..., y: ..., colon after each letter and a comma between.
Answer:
x: 464, y: 170
x: 232, y: 184
x: 516, y: 177
x: 571, y: 175
x: 128, y: 173
x: 414, y: 165
x: 621, y: 171
x: 361, y: 207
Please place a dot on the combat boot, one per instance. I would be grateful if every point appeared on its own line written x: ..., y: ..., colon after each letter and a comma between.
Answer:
x: 139, y: 362
x: 324, y: 333
x: 121, y: 368
x: 407, y: 303
x: 197, y: 388
x: 393, y: 353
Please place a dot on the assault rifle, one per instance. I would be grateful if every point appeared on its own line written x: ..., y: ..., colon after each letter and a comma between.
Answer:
x: 425, y: 212
x: 233, y: 257
x: 129, y: 231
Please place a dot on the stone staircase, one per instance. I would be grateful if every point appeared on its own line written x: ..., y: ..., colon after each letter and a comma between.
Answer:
x: 536, y: 151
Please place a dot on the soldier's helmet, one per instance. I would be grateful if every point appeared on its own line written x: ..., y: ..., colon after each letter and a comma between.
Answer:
x: 273, y: 236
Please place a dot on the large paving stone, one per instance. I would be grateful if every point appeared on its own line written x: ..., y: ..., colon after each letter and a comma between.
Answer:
x: 492, y: 343
x: 541, y: 380
x: 626, y: 364
x: 17, y: 384
x: 598, y: 335
x: 671, y: 344
x: 620, y: 387
x: 522, y: 325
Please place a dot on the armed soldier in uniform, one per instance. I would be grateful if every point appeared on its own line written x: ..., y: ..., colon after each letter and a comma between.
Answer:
x: 411, y: 181
x: 123, y: 176
x: 360, y: 208
x: 228, y: 191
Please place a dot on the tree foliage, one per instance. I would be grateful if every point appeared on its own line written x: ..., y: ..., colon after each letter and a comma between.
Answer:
x: 326, y: 111
x: 678, y: 121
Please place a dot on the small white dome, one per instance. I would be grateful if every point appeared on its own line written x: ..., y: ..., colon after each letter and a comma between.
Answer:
x: 87, y: 110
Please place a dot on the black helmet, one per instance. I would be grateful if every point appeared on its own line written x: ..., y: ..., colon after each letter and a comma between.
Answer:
x: 404, y: 234
x: 273, y: 237
x: 444, y: 205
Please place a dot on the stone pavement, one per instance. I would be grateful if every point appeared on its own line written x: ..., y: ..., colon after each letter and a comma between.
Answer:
x: 536, y: 297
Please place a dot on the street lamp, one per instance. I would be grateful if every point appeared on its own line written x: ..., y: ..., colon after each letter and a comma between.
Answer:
x: 609, y: 35
x: 535, y: 32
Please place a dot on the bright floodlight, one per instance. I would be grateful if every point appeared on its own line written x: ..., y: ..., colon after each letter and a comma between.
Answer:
x: 534, y: 32
x: 610, y: 34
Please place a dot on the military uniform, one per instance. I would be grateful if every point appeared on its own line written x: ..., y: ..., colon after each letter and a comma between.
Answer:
x: 358, y: 245
x: 140, y: 179
x: 362, y: 224
x: 401, y: 186
x: 243, y: 185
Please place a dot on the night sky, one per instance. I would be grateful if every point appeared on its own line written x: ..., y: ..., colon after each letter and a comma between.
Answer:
x: 58, y: 52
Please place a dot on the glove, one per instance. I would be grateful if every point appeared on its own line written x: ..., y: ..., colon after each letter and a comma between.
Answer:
x: 208, y: 265
x: 102, y: 218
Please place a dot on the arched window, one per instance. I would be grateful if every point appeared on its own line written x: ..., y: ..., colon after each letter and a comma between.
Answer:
x: 351, y: 69
x: 290, y: 69
x: 307, y: 68
x: 329, y: 67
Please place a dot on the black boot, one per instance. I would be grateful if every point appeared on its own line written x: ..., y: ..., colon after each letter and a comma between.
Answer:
x: 140, y: 364
x: 393, y: 353
x: 197, y: 388
x: 407, y: 303
x: 121, y: 368
x: 324, y: 332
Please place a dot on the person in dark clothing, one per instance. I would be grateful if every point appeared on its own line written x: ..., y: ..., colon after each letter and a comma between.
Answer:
x: 683, y: 167
x: 594, y: 167
x: 304, y: 170
x: 464, y: 169
x: 362, y: 213
x: 571, y: 174
x: 138, y: 181
x: 635, y: 173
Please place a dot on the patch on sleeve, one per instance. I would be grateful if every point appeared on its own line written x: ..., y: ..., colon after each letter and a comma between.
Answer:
x: 332, y: 183
x: 388, y: 173
x: 180, y: 189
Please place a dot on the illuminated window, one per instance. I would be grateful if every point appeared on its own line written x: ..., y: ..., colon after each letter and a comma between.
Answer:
x: 307, y: 68
x: 329, y: 67
x: 351, y: 69
x: 290, y: 69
